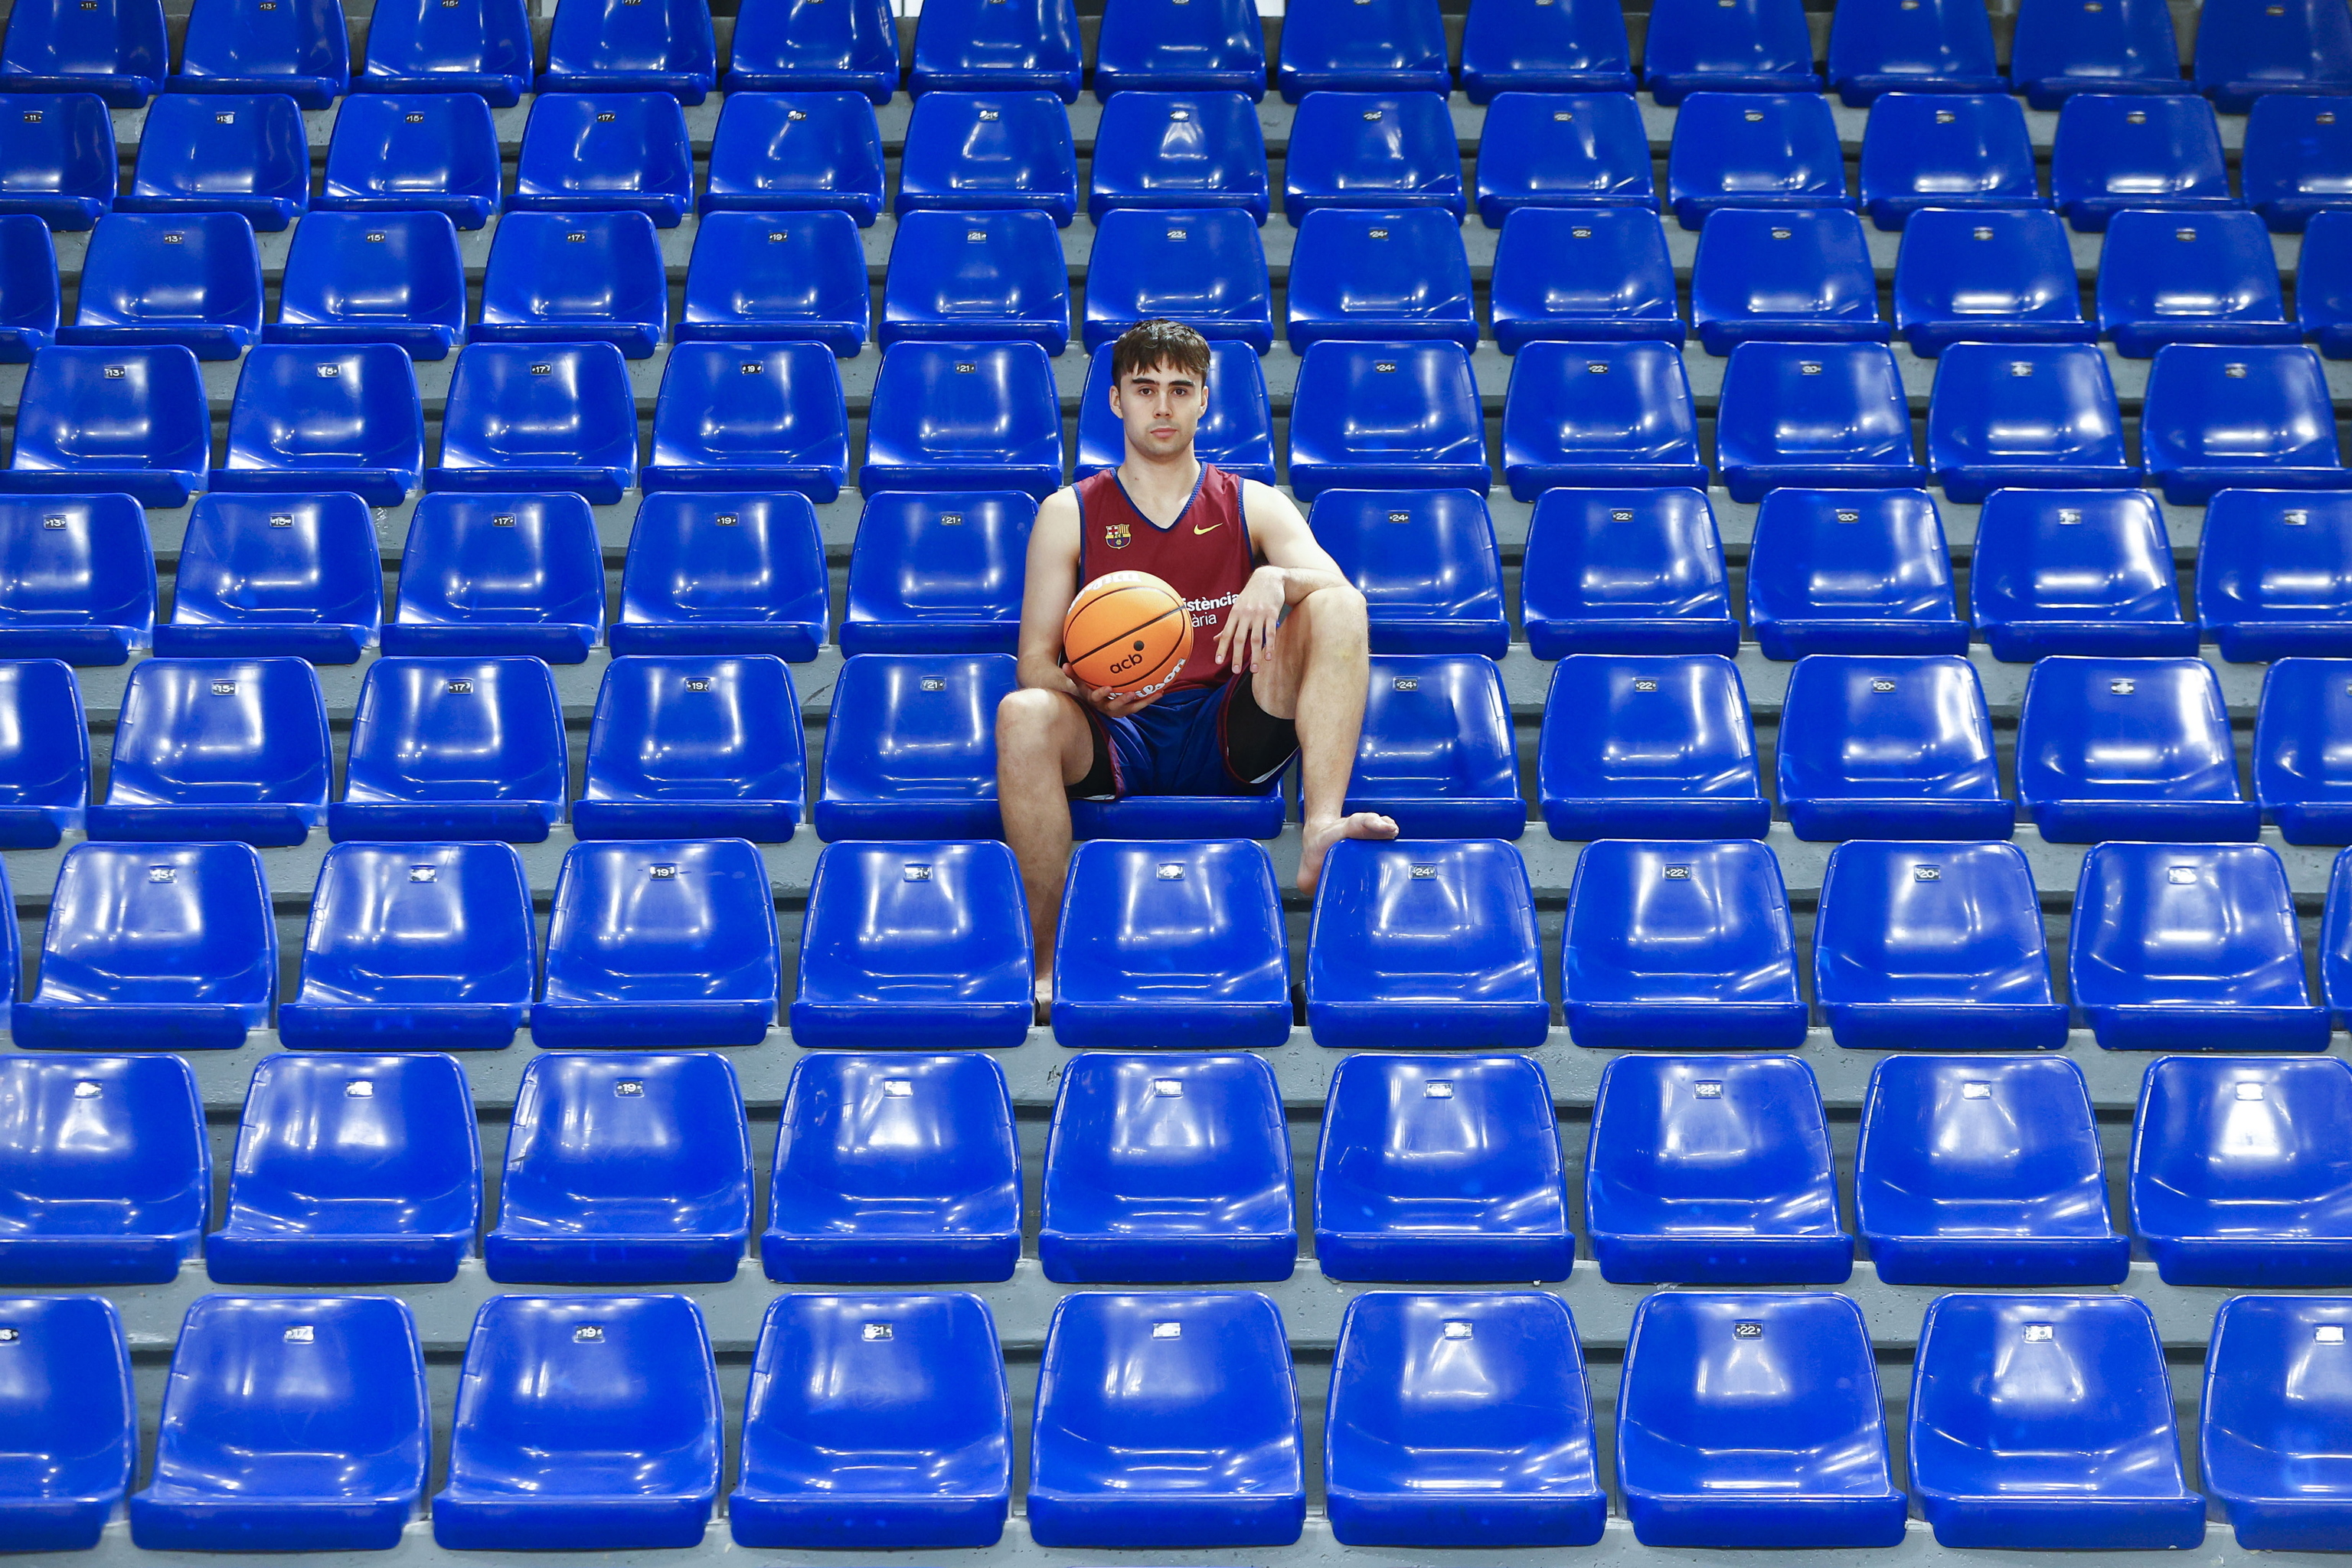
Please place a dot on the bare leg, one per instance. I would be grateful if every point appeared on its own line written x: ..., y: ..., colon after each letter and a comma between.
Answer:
x: 1042, y: 746
x: 1316, y: 675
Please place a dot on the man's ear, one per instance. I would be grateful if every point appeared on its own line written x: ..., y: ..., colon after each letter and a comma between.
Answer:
x: 1117, y: 405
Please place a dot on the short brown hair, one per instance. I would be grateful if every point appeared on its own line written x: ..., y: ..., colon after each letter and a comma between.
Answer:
x: 1150, y: 345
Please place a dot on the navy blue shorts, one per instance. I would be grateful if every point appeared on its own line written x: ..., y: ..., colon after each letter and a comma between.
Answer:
x: 1201, y: 740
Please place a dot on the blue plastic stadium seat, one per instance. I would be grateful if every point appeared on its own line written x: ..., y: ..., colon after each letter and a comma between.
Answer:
x: 28, y: 285
x: 2071, y: 572
x: 109, y: 1174
x: 718, y: 572
x: 1685, y: 943
x: 1398, y: 47
x: 1649, y: 745
x: 1437, y: 753
x: 1850, y: 571
x: 2063, y: 46
x: 326, y: 417
x: 584, y: 1423
x: 500, y: 573
x: 2300, y: 750
x: 914, y: 943
x: 415, y: 46
x: 2297, y: 162
x: 1168, y: 1420
x: 2190, y: 278
x: 560, y: 278
x: 1813, y: 413
x: 1637, y: 571
x: 76, y: 577
x: 2238, y: 1179
x: 1584, y: 275
x: 1439, y: 1168
x: 2110, y: 748
x: 1788, y: 276
x: 454, y: 747
x: 115, y: 49
x: 910, y: 747
x: 2043, y: 1422
x: 1427, y: 565
x: 605, y: 151
x: 2116, y: 152
x: 44, y: 754
x: 2190, y: 947
x: 1175, y: 942
x: 1986, y: 277
x: 797, y: 152
x: 1397, y: 415
x: 65, y: 173
x: 414, y: 946
x: 2246, y: 50
x: 626, y: 45
x: 685, y: 745
x: 1887, y: 747
x: 2024, y: 413
x: 1890, y: 46
x: 2258, y: 415
x: 1364, y: 273
x: 1932, y: 149
x: 264, y: 575
x: 715, y: 428
x: 977, y: 277
x: 1204, y: 267
x: 1236, y: 428
x: 1565, y: 426
x: 968, y: 151
x: 170, y: 278
x: 1984, y: 1170
x: 1425, y: 943
x: 967, y: 46
x: 624, y: 1169
x: 550, y: 416
x: 777, y: 277
x: 128, y: 420
x: 217, y: 748
x: 1382, y: 149
x: 792, y: 45
x: 71, y: 1420
x: 351, y: 1170
x: 301, y: 50
x: 2274, y: 575
x: 1763, y: 46
x: 1748, y: 1421
x: 961, y: 416
x: 660, y: 941
x: 1548, y: 149
x: 2275, y: 1389
x: 374, y: 278
x: 874, y: 1422
x: 1713, y: 1170
x: 1536, y: 45
x: 1752, y: 150
x: 1179, y: 46
x: 934, y: 572
x: 152, y: 947
x: 242, y: 154
x: 895, y: 1169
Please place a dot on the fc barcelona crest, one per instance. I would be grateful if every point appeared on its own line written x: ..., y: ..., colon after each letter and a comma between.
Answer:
x: 1115, y: 534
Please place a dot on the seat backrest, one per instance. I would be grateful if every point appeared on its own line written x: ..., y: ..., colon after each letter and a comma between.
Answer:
x: 1438, y: 723
x: 582, y: 269
x: 957, y: 558
x: 812, y: 43
x: 1428, y: 553
x: 1414, y: 404
x: 969, y: 44
x: 698, y: 728
x: 755, y: 407
x: 2301, y: 732
x: 804, y: 149
x: 1648, y: 725
x: 1543, y: 149
x: 2240, y: 1145
x: 1328, y: 42
x: 69, y: 1419
x: 2250, y: 405
x: 2125, y: 729
x: 295, y: 560
x: 60, y: 161
x: 1754, y: 148
x: 601, y: 143
x: 1541, y: 45
x: 724, y: 558
x: 160, y: 268
x: 123, y: 40
x: 1999, y: 266
x: 1561, y: 272
x: 2062, y: 46
x: 2275, y: 1388
x: 1902, y: 726
x: 349, y: 269
x: 1167, y: 1145
x: 2137, y: 150
x: 220, y: 731
x: 426, y: 40
x: 337, y: 1142
x: 972, y: 405
x: 915, y: 722
x: 1366, y: 273
x: 76, y: 560
x: 1705, y: 920
x: 1446, y: 1143
x: 2206, y: 265
x: 2244, y: 48
x: 618, y: 1141
x: 1647, y: 554
x: 493, y: 558
x: 412, y: 924
x: 2189, y: 924
x: 523, y: 406
x: 662, y: 920
x: 978, y: 274
x: 2074, y: 554
x: 1204, y: 267
x: 456, y: 728
x: 44, y: 737
x: 185, y: 923
x: 329, y: 407
x: 1817, y: 402
x: 1834, y: 554
x: 104, y: 1146
x: 1929, y: 41
x: 1375, y: 149
x: 1682, y: 1143
x: 101, y: 409
x: 594, y: 38
x: 1958, y: 1142
x: 1755, y: 263
x: 1000, y: 148
x: 244, y: 42
x: 1749, y: 39
x: 222, y: 145
x: 1180, y: 43
x: 1171, y: 915
x: 898, y: 1141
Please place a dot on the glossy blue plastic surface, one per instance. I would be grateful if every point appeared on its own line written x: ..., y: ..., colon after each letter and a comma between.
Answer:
x: 2323, y: 284
x: 1439, y: 1168
x: 2219, y: 417
x: 2190, y: 947
x: 1460, y: 1421
x: 874, y: 1422
x: 418, y: 45
x: 910, y: 747
x: 1751, y: 1421
x: 199, y: 152
x: 549, y: 416
x: 2274, y: 575
x: 2275, y: 1394
x: 1363, y: 273
x: 1889, y: 746
x: 129, y: 420
x: 786, y: 45
x: 1986, y: 277
x: 961, y: 417
x: 777, y: 277
x: 794, y: 151
x: 694, y: 745
x: 2024, y: 413
x: 29, y: 287
x: 2190, y: 278
x: 2139, y: 748
x: 605, y: 151
x: 415, y: 947
x: 1395, y: 415
x: 660, y: 942
x: 1546, y: 149
x: 1752, y: 148
x: 1582, y: 275
x: 2245, y: 50
x: 2298, y: 159
x: 989, y: 151
x: 1172, y: 942
x: 261, y: 575
x: 937, y: 572
x: 64, y: 173
x: 1533, y: 46
x: 1763, y: 46
x: 2237, y: 1178
x: 1436, y: 752
x: 374, y: 278
x: 718, y: 428
x: 625, y: 45
x: 1423, y: 943
x: 1649, y: 745
x: 2114, y: 153
x: 1427, y: 565
x: 1166, y: 1420
x: 1813, y: 413
x: 1327, y: 44
x: 109, y: 1172
x: 624, y: 1169
x: 1624, y: 571
x: 584, y: 1423
x: 116, y: 49
x: 1932, y: 149
x: 720, y: 573
x: 351, y: 1170
x: 1680, y: 944
x: 217, y: 748
x: 514, y: 574
x: 170, y: 278
x: 1785, y: 277
x: 1854, y: 572
x: 44, y: 754
x: 977, y: 277
x: 302, y: 50
x: 152, y: 947
x: 1180, y: 46
x: 894, y: 1170
x: 1935, y: 46
x: 914, y: 943
x: 2062, y: 46
x: 1983, y: 1171
x: 2070, y: 571
x: 76, y: 577
x: 1203, y: 267
x: 70, y: 1422
x: 1237, y: 426
x: 2044, y: 1422
x: 2303, y: 750
x: 1371, y: 149
x: 326, y: 417
x: 564, y: 277
x: 967, y: 46
x: 1597, y: 415
x: 454, y: 747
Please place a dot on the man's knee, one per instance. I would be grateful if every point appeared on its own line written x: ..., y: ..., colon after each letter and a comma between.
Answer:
x: 1029, y: 716
x: 1336, y: 615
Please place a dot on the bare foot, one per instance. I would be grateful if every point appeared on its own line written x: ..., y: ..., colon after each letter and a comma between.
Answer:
x: 1324, y: 832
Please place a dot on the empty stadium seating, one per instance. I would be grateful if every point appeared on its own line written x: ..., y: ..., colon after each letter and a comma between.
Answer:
x: 1546, y: 149
x: 1946, y: 150
x: 2121, y: 152
x: 1633, y: 570
x: 1533, y: 46
x: 557, y: 416
x: 1203, y: 267
x: 626, y: 46
x: 910, y: 747
x: 999, y: 150
x: 44, y: 754
x: 454, y: 747
x: 2298, y: 159
x: 326, y: 417
x: 2252, y: 415
x: 790, y: 44
x: 1788, y: 276
x: 1769, y: 148
x: 1181, y: 939
x: 1371, y: 149
x: 485, y: 48
x: 605, y: 151
x: 1237, y: 426
x: 217, y: 748
x: 2299, y: 753
x: 1397, y: 47
x: 965, y: 47
x: 2262, y: 1454
x: 2062, y: 47
x: 931, y: 573
x: 266, y: 575
x: 1425, y: 562
x: 2323, y: 284
x: 1649, y: 746
x: 977, y: 277
x: 29, y: 287
x: 1564, y: 424
x: 2024, y: 413
x: 115, y: 49
x: 1851, y: 571
x: 299, y: 49
x: 2190, y: 278
x: 2000, y: 276
x: 170, y: 278
x: 2120, y: 749
x: 715, y: 428
x: 374, y: 278
x: 1164, y: 46
x: 127, y: 420
x: 768, y: 276
x: 1877, y: 746
x: 238, y: 153
x: 1391, y: 414
x: 960, y: 417
x: 2074, y: 572
x: 491, y: 574
x: 900, y: 939
x: 109, y: 1173
x: 1584, y: 275
x: 721, y: 573
x: 1437, y: 753
x: 63, y: 173
x: 1812, y: 414
x: 687, y: 745
x: 2235, y: 1180
x: 1358, y: 273
x: 72, y: 1426
x: 1423, y: 943
x: 560, y: 278
x: 77, y: 575
x: 2245, y: 49
x: 795, y: 152
x: 1761, y: 47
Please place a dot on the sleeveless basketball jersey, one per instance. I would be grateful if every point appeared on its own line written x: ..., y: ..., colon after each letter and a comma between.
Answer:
x: 1206, y: 556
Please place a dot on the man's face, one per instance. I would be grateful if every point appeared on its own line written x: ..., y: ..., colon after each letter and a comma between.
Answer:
x: 1161, y: 407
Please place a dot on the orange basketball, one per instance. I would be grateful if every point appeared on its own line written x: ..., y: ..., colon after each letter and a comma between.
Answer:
x: 1128, y: 632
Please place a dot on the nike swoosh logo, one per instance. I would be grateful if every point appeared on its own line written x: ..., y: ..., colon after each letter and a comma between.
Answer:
x: 1210, y: 529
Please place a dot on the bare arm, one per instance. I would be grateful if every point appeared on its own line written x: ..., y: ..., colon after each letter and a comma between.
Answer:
x: 1295, y: 567
x: 1051, y: 583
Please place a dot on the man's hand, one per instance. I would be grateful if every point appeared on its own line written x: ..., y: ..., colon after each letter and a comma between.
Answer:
x: 1251, y: 621
x: 1115, y: 704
